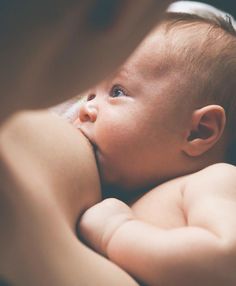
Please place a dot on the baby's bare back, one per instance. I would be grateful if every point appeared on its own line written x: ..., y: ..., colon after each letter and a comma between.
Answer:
x: 182, y: 232
x: 163, y: 206
x: 184, y: 201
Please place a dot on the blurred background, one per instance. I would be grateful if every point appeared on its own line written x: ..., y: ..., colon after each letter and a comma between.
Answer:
x: 226, y: 5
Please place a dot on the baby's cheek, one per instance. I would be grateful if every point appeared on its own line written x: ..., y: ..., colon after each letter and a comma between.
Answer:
x: 117, y: 138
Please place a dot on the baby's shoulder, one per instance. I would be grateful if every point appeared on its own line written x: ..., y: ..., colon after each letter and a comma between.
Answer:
x: 222, y: 170
x: 218, y: 179
x: 169, y: 204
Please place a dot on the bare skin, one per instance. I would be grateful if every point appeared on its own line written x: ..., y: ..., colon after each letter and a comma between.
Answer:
x: 50, y: 52
x: 42, y: 195
x: 147, y: 127
x: 27, y: 206
x: 133, y: 118
x: 180, y: 233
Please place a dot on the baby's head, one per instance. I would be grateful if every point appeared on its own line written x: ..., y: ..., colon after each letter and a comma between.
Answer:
x: 210, y: 51
x: 168, y: 111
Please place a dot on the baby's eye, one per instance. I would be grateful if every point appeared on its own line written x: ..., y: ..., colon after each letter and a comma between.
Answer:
x: 117, y: 91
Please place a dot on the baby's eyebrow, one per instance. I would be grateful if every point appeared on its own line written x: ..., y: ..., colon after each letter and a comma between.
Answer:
x: 122, y: 73
x: 125, y: 77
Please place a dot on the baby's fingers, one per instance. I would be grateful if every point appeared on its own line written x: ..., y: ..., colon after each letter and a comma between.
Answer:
x: 100, y: 222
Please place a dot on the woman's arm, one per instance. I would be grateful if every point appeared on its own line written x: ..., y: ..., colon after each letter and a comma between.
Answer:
x: 51, y: 51
x: 48, y: 178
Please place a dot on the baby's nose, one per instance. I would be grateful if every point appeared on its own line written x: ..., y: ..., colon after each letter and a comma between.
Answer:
x: 88, y: 112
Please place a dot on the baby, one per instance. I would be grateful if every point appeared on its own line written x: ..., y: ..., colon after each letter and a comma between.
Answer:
x: 165, y: 122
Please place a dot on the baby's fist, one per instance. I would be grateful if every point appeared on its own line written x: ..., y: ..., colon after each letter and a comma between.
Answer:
x: 99, y: 223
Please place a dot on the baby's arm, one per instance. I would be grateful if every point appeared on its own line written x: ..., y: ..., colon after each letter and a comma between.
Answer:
x: 202, y: 253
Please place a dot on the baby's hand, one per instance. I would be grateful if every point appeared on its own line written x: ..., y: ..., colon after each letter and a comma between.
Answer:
x: 99, y: 223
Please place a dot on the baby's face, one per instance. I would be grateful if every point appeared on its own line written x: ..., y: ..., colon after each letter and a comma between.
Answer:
x: 133, y: 119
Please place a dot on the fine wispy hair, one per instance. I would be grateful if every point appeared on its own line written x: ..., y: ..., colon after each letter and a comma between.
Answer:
x: 206, y: 42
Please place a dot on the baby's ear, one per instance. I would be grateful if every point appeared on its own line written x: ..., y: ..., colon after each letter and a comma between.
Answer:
x: 206, y: 128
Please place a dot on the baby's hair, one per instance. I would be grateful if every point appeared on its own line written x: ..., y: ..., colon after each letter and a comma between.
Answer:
x: 212, y: 60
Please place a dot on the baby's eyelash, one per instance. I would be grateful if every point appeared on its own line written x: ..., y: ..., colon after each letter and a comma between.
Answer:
x: 91, y: 96
x: 117, y: 91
